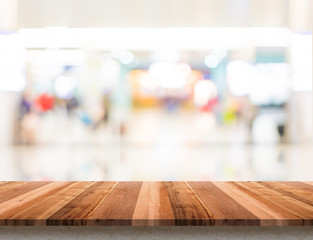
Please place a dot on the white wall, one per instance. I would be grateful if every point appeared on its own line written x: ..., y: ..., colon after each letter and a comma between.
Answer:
x: 8, y: 100
x: 301, y: 17
x: 153, y: 13
x: 300, y: 117
x: 8, y: 116
x: 301, y: 102
x: 8, y: 15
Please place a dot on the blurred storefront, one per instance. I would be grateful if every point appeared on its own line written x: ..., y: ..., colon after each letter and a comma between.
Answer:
x: 157, y: 86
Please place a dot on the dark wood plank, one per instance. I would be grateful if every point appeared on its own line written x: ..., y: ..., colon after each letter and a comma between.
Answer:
x: 226, y: 210
x: 76, y: 211
x: 188, y: 209
x: 289, y: 204
x: 118, y: 208
x: 269, y: 213
x: 153, y: 206
x: 37, y: 214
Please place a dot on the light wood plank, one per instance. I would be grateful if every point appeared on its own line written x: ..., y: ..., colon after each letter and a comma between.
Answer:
x: 309, y: 183
x: 7, y: 185
x: 17, y: 204
x: 302, y: 194
x: 268, y: 213
x: 20, y: 189
x: 38, y: 213
x: 153, y: 206
x: 289, y: 204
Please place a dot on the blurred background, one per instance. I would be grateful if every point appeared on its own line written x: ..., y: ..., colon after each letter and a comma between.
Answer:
x: 156, y: 90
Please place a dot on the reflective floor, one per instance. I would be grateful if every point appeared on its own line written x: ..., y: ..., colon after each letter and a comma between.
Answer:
x: 154, y: 148
x: 170, y: 162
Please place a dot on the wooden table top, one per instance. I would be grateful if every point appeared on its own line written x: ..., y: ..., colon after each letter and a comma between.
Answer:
x: 156, y: 203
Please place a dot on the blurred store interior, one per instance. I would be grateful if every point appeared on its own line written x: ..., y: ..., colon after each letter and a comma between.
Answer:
x: 156, y: 90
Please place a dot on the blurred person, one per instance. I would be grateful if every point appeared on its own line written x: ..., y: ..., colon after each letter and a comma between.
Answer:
x: 230, y: 112
x: 246, y: 114
x: 246, y: 111
x: 25, y: 104
x: 210, y: 106
x: 25, y: 107
x: 71, y: 104
x: 44, y: 102
x: 97, y: 115
x: 85, y: 118
x: 29, y: 111
x: 121, y: 102
x: 106, y: 104
x: 250, y: 111
x: 281, y: 121
x: 29, y: 125
x: 119, y: 118
x: 103, y: 112
x: 171, y: 103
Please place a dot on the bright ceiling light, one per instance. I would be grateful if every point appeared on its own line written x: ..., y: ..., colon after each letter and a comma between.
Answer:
x: 126, y: 57
x: 156, y: 38
x: 170, y: 75
x: 239, y: 77
x: 12, y: 63
x: 220, y: 53
x: 211, y: 61
x: 204, y: 91
x: 64, y: 86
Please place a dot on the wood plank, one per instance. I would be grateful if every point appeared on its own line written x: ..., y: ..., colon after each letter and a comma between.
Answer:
x: 309, y: 183
x: 289, y: 204
x: 118, y: 208
x: 156, y: 203
x: 17, y: 204
x: 300, y: 185
x: 38, y: 213
x: 153, y: 206
x: 225, y: 209
x: 268, y: 213
x: 303, y: 194
x: 187, y: 207
x: 76, y: 211
x: 20, y: 189
x: 8, y: 185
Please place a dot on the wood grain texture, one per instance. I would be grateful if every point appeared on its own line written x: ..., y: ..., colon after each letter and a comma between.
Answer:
x: 187, y: 207
x: 303, y: 194
x: 309, y: 183
x: 23, y: 201
x: 226, y: 210
x: 118, y: 207
x: 156, y: 203
x: 38, y: 213
x: 286, y: 202
x: 76, y: 211
x: 18, y: 190
x: 153, y: 206
x: 269, y: 213
x: 8, y: 185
